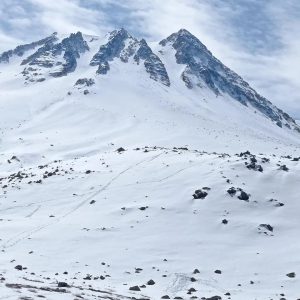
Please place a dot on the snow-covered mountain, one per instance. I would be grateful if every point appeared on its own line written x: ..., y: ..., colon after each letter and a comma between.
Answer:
x: 135, y: 170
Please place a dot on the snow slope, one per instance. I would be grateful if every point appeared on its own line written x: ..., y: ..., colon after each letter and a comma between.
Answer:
x: 71, y: 202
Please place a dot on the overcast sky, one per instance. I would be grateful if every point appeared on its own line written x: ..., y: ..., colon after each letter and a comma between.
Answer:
x: 259, y: 39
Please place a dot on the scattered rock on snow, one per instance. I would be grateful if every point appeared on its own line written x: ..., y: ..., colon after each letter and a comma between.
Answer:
x: 291, y: 275
x: 284, y: 168
x: 200, y: 194
x: 151, y: 282
x: 134, y: 288
x: 231, y: 191
x: 121, y: 149
x: 62, y: 284
x: 243, y: 196
x: 267, y: 227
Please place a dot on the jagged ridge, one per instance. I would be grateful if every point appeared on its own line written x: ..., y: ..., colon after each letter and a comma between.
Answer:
x: 22, y: 49
x: 123, y: 46
x: 46, y: 56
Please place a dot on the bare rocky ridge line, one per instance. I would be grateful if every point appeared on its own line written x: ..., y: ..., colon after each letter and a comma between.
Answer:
x: 202, y: 69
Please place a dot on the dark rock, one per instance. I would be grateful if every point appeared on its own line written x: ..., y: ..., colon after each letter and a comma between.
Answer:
x: 62, y: 284
x: 143, y: 208
x: 291, y: 275
x: 88, y: 277
x: 134, y: 288
x: 19, y: 267
x: 218, y: 271
x: 284, y: 168
x: 151, y: 282
x: 121, y: 149
x: 267, y: 226
x: 232, y: 191
x: 85, y: 82
x: 255, y: 167
x: 243, y: 196
x: 199, y: 194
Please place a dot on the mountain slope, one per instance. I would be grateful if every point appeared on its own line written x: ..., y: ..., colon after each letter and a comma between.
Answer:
x: 122, y: 174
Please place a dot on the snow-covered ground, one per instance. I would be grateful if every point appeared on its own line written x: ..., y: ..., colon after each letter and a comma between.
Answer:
x: 76, y: 210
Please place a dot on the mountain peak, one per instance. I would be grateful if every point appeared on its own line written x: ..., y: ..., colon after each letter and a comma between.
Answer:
x: 120, y: 33
x: 184, y: 38
x: 203, y: 70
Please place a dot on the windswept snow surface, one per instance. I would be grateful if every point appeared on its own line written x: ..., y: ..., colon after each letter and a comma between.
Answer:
x: 76, y: 210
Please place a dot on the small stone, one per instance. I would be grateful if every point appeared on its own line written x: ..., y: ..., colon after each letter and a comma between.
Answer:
x: 291, y: 275
x: 199, y: 194
x: 19, y: 267
x: 134, y: 288
x: 267, y: 226
x: 121, y: 149
x: 231, y: 191
x: 62, y: 284
x: 151, y: 282
x: 243, y: 196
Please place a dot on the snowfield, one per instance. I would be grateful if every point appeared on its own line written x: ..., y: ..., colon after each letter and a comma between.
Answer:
x: 130, y: 189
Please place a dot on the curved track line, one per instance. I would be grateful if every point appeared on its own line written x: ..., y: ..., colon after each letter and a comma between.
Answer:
x: 28, y: 233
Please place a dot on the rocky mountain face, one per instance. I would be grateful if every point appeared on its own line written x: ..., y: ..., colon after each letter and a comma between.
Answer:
x: 57, y: 59
x: 22, y: 49
x: 123, y: 46
x: 54, y: 58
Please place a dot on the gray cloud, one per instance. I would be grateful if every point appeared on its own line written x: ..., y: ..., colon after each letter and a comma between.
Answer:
x: 260, y: 40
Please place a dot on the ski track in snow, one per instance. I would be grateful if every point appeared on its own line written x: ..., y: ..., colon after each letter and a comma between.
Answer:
x: 27, y: 234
